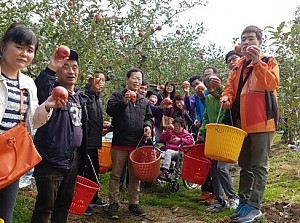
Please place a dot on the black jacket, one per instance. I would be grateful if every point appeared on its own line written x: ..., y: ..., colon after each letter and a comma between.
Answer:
x: 54, y: 140
x: 128, y: 120
x: 95, y: 121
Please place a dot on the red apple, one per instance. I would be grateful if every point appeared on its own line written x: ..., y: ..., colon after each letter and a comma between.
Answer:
x: 51, y: 18
x: 238, y: 48
x: 63, y: 52
x: 139, y: 51
x: 185, y: 84
x: 141, y: 34
x: 132, y: 95
x: 161, y: 87
x: 57, y: 13
x: 98, y: 17
x: 158, y: 28
x: 199, y: 88
x: 122, y: 38
x: 60, y: 93
x: 167, y: 101
x: 178, y: 32
x: 72, y: 20
x: 71, y: 3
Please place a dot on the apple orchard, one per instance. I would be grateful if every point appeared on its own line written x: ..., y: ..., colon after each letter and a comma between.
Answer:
x: 116, y: 35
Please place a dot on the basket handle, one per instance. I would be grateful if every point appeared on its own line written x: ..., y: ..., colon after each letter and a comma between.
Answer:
x: 216, y: 125
x: 93, y: 169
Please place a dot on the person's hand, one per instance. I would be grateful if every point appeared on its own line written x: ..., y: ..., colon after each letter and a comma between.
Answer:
x: 104, y: 132
x: 224, y: 102
x: 169, y: 127
x: 55, y: 62
x: 127, y: 97
x: 197, y: 123
x: 186, y: 88
x: 175, y: 140
x: 200, y: 137
x: 253, y: 53
x: 147, y: 132
x: 200, y: 89
x: 52, y: 103
x: 215, y: 81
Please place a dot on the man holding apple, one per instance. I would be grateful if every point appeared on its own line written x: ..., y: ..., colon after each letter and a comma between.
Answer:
x: 132, y: 120
x: 60, y: 140
x: 250, y: 92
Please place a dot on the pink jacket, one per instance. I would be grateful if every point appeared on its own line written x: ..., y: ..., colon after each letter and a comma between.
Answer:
x: 167, y: 137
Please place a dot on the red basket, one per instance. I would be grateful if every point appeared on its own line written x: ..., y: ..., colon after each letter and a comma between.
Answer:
x: 196, y: 150
x: 146, y: 162
x: 195, y: 169
x: 85, y: 190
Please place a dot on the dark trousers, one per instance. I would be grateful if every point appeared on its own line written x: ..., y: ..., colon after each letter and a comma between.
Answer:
x: 55, y: 192
x: 8, y: 197
x: 208, y: 186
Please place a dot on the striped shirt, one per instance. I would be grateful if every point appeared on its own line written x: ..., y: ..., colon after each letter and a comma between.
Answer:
x: 12, y: 115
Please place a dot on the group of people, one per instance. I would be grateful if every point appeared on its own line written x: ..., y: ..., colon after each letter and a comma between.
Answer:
x: 69, y: 131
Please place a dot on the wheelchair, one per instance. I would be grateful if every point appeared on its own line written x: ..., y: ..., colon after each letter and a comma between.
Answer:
x: 174, y: 172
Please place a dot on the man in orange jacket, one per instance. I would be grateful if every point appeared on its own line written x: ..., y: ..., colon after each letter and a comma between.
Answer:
x: 250, y: 92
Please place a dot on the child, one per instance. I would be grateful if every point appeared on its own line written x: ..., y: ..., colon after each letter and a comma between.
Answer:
x: 174, y: 138
x: 220, y: 171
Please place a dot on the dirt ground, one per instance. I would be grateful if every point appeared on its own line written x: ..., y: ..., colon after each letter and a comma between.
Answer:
x: 278, y: 212
x: 273, y: 213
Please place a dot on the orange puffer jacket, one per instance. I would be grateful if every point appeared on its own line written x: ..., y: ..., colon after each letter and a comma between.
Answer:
x: 264, y: 77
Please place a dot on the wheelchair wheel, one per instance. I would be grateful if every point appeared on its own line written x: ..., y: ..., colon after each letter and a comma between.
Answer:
x: 146, y: 184
x: 189, y: 185
x: 173, y: 186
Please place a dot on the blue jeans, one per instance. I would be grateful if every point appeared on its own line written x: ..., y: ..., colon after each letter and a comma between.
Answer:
x: 8, y: 197
x: 55, y: 192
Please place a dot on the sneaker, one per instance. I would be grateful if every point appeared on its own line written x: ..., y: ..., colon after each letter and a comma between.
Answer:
x: 233, y: 203
x: 211, y: 200
x: 214, y: 208
x: 136, y: 210
x: 113, y: 211
x: 89, y: 211
x: 238, y: 211
x: 248, y: 214
x: 98, y: 203
x: 204, y: 196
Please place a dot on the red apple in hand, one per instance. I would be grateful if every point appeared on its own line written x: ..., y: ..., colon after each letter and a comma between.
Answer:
x: 167, y: 101
x: 185, y: 84
x: 238, y: 48
x: 133, y: 96
x: 200, y: 88
x: 63, y: 52
x: 60, y: 93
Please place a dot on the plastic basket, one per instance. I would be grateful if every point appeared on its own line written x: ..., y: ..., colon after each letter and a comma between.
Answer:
x: 85, y: 190
x: 196, y: 150
x: 223, y: 142
x: 195, y: 169
x: 146, y: 162
x: 104, y: 156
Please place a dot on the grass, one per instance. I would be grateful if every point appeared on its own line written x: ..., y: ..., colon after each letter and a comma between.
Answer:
x: 283, y: 185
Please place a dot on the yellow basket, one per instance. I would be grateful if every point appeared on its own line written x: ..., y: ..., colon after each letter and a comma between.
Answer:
x: 223, y: 142
x: 1, y: 220
x: 104, y: 156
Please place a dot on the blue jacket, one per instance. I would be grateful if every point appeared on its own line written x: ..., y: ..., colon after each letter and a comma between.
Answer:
x: 54, y: 140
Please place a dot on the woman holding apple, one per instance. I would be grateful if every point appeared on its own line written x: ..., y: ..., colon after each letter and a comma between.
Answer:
x: 18, y: 47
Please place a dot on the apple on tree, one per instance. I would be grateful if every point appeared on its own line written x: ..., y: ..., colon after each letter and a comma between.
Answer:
x: 51, y: 18
x: 60, y: 93
x: 63, y: 52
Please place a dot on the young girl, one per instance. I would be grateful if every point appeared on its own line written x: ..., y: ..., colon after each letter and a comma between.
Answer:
x: 17, y: 50
x: 174, y: 138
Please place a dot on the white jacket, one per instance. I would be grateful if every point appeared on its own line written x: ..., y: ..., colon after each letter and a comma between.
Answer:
x: 36, y: 115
